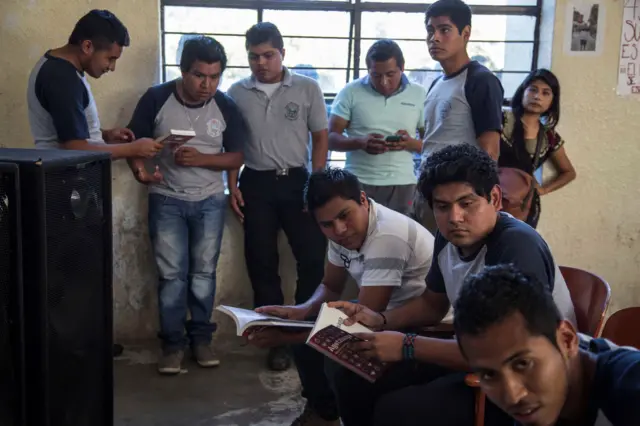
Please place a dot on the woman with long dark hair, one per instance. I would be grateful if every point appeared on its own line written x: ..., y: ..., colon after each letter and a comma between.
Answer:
x: 529, y: 137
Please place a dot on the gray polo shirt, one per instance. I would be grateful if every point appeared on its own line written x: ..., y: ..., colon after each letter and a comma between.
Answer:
x: 219, y: 128
x: 279, y: 125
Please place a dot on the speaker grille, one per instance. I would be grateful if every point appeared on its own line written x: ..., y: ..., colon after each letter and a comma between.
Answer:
x: 10, y: 342
x: 76, y: 282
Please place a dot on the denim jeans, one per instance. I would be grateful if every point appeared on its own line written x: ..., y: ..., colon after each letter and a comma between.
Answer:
x: 186, y: 237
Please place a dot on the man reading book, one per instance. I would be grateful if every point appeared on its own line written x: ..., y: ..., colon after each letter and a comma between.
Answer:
x: 187, y: 208
x: 460, y: 183
x: 387, y: 253
x: 533, y: 364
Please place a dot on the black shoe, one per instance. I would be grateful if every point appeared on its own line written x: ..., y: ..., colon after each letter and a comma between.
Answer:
x: 278, y: 359
x: 117, y: 350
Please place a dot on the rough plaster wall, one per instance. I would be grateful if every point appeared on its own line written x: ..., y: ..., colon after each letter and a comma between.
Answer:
x: 594, y: 222
x: 29, y: 28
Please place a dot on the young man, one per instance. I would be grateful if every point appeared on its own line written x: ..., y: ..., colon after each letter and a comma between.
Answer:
x: 464, y: 105
x: 387, y: 253
x: 281, y: 109
x: 533, y: 364
x: 460, y: 183
x: 372, y: 108
x: 187, y: 208
x: 62, y: 110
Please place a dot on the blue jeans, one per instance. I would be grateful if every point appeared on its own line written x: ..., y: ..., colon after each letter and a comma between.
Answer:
x: 186, y: 237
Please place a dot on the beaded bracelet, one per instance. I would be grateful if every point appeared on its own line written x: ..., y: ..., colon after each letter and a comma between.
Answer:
x: 408, y: 348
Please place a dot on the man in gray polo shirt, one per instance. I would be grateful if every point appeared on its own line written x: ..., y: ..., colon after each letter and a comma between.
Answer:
x: 187, y: 208
x: 280, y: 109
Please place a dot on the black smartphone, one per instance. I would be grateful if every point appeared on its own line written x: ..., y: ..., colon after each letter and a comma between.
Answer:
x: 393, y: 138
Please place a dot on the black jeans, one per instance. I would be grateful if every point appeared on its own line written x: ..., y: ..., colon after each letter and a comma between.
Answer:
x: 273, y: 202
x: 408, y: 394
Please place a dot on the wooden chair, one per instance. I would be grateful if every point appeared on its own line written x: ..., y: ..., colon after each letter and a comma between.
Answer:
x: 620, y: 327
x: 590, y: 295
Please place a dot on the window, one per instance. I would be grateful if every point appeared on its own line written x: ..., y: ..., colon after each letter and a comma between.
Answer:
x: 328, y: 39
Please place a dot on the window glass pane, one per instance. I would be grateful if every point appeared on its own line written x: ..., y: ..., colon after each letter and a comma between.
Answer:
x: 321, y: 53
x: 493, y: 55
x: 230, y: 76
x: 330, y: 81
x: 502, y: 56
x: 510, y: 81
x: 309, y: 23
x: 393, y: 25
x: 502, y: 27
x: 411, y: 26
x: 212, y: 20
x: 233, y: 47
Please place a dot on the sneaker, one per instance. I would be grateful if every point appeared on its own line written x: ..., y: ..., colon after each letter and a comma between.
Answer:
x: 278, y: 359
x: 170, y: 363
x: 310, y: 418
x: 205, y: 356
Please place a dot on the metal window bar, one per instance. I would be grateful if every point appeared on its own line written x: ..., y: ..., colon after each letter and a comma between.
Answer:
x: 355, y: 8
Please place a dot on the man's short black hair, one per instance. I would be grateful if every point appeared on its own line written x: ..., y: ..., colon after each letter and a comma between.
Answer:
x: 462, y: 163
x: 383, y: 50
x: 325, y: 185
x: 497, y: 293
x: 204, y: 49
x: 264, y: 32
x: 458, y: 11
x: 102, y: 28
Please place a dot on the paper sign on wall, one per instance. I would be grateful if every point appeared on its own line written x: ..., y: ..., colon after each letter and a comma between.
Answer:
x: 629, y: 68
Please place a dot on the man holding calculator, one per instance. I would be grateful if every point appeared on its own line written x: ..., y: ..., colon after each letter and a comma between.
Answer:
x: 376, y: 120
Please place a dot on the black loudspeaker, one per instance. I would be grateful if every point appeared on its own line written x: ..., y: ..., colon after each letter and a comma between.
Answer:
x: 65, y: 204
x: 12, y: 349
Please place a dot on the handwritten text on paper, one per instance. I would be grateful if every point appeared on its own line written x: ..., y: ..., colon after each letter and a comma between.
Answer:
x: 629, y: 69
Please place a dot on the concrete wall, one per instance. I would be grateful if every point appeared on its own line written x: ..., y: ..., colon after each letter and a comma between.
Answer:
x: 593, y: 223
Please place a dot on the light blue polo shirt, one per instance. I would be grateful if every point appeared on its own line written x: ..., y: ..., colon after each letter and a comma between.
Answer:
x: 368, y: 111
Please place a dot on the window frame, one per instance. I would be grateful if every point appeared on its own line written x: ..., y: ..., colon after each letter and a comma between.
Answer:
x: 355, y: 8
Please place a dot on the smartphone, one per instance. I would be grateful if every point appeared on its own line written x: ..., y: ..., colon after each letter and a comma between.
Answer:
x: 393, y: 139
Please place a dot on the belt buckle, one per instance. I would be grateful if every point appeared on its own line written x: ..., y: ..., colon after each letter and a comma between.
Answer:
x: 282, y: 172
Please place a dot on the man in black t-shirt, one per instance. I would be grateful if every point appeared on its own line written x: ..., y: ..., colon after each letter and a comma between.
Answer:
x: 530, y: 360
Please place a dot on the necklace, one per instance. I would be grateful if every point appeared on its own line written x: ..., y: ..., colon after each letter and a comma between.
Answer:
x: 186, y: 112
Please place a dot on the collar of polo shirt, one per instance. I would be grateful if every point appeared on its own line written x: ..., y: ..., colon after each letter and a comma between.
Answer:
x: 286, y: 80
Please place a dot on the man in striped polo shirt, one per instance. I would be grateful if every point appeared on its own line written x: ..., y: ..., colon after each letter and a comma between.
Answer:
x: 388, y: 255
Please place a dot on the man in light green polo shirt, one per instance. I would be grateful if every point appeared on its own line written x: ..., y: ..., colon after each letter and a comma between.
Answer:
x: 371, y: 109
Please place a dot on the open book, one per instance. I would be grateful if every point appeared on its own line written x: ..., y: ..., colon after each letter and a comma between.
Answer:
x: 331, y: 337
x: 246, y: 319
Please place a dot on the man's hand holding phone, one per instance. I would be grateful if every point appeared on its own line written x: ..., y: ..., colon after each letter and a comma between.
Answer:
x: 374, y: 144
x: 402, y: 141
